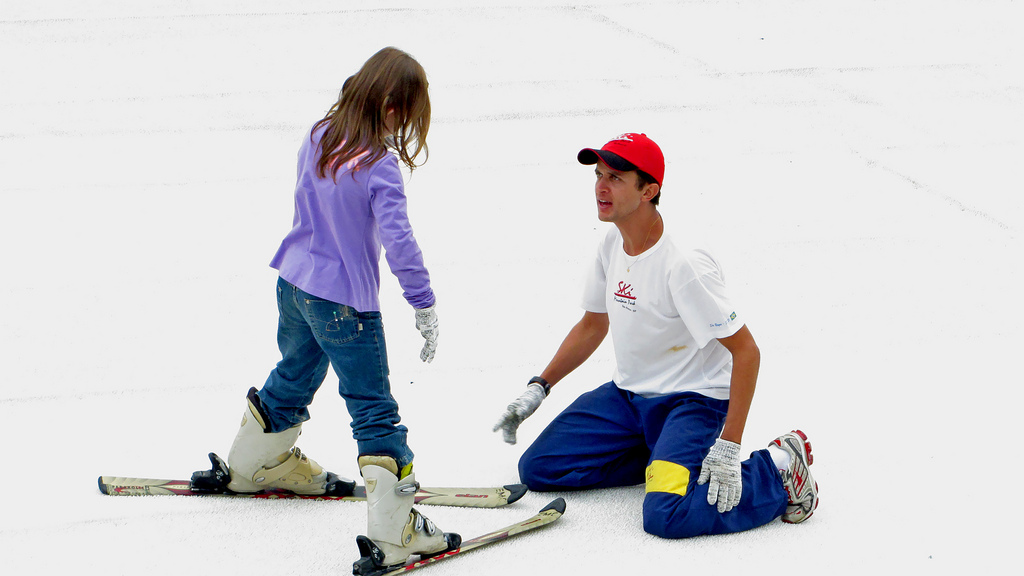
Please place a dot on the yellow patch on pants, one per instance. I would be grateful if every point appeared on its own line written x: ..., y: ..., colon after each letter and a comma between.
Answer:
x: 668, y: 477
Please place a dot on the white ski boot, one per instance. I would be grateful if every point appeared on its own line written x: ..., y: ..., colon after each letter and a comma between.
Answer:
x: 262, y: 460
x: 394, y: 529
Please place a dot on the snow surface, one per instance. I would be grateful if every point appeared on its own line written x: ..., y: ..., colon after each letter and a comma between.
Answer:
x: 855, y: 165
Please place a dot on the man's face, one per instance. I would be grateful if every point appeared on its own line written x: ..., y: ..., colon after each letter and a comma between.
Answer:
x: 617, y: 195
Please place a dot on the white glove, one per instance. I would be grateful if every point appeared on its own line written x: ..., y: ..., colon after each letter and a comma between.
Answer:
x: 426, y: 323
x: 519, y: 410
x: 722, y: 469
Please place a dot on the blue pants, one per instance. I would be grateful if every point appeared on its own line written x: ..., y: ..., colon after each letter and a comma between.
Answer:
x: 610, y: 437
x: 313, y: 334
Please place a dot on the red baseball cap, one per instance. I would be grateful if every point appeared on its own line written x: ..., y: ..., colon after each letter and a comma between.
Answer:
x: 627, y: 152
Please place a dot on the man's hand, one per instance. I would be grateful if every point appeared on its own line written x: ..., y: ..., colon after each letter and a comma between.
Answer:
x: 722, y: 469
x: 426, y: 323
x: 519, y: 410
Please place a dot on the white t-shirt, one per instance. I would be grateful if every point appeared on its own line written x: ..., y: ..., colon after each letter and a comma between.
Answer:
x: 666, y: 308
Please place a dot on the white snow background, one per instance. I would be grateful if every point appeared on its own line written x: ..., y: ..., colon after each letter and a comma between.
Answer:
x: 855, y: 165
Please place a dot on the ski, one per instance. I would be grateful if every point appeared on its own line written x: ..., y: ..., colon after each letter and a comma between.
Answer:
x: 491, y: 497
x: 366, y: 566
x: 211, y: 483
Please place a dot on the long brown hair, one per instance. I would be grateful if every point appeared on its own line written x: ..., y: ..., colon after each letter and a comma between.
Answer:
x: 390, y: 80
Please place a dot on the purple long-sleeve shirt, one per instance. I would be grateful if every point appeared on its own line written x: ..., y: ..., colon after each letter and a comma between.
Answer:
x: 340, y: 224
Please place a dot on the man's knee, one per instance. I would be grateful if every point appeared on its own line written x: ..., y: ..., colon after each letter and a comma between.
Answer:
x: 528, y: 473
x: 536, y: 475
x: 674, y: 516
x: 669, y: 510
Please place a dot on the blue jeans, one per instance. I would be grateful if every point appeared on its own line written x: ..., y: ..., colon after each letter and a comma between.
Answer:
x: 313, y: 334
x: 610, y: 437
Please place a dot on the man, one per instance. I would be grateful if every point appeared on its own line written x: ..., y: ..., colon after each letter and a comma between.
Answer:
x: 686, y: 368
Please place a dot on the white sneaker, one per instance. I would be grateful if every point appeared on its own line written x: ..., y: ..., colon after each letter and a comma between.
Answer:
x: 797, y: 479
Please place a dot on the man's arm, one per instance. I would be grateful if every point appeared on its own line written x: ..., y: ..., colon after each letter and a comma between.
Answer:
x: 746, y: 360
x: 721, y: 468
x: 579, y: 344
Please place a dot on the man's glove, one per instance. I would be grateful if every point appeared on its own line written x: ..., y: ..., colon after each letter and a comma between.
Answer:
x: 722, y: 469
x: 426, y: 323
x: 519, y: 410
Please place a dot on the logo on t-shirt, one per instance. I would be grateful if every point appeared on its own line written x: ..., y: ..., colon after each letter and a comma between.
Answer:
x: 719, y: 324
x: 624, y: 296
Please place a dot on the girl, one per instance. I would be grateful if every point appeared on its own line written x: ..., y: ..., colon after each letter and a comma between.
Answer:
x: 349, y: 201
